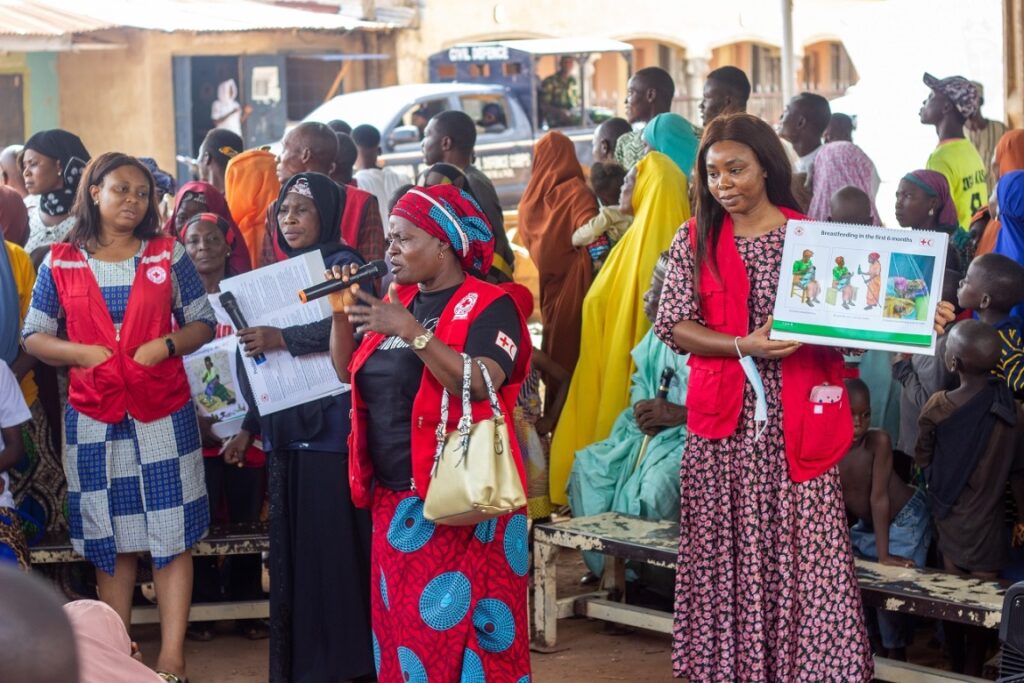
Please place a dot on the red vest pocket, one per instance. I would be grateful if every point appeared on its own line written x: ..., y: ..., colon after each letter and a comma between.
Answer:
x: 140, y: 379
x: 824, y: 437
x: 704, y: 392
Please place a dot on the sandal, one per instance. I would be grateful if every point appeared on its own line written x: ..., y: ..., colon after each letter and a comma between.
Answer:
x: 171, y: 678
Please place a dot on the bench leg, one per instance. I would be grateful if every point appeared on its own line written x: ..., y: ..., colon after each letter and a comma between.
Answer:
x: 545, y: 599
x: 613, y: 578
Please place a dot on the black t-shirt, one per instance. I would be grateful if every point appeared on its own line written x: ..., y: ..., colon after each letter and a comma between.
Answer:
x: 390, y: 378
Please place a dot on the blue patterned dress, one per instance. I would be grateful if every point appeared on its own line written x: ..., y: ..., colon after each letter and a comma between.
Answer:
x: 132, y: 486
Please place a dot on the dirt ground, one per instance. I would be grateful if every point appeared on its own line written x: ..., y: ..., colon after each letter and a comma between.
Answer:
x: 590, y: 652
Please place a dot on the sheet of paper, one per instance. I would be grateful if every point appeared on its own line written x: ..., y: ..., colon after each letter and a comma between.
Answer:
x: 861, y: 287
x: 269, y: 296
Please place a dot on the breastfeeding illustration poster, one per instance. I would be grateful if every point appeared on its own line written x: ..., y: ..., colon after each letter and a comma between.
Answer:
x: 860, y: 286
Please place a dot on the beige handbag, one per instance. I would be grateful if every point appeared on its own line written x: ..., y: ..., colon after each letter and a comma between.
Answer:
x: 474, y: 477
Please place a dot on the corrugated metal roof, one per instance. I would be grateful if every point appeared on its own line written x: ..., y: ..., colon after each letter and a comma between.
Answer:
x: 19, y: 18
x: 56, y: 18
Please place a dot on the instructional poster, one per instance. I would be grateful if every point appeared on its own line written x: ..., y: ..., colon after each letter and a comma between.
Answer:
x: 860, y: 286
x: 269, y: 296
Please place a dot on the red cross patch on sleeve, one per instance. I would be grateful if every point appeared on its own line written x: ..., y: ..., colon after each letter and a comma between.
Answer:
x: 506, y: 344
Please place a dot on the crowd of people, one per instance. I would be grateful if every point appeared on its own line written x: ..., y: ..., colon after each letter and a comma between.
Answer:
x: 655, y: 391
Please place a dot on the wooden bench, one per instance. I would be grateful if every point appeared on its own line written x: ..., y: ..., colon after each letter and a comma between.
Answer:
x: 234, y: 539
x: 622, y: 537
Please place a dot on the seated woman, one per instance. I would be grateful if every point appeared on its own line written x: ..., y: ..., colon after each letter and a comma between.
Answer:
x: 636, y: 469
x: 319, y: 543
x: 613, y: 315
x: 449, y: 602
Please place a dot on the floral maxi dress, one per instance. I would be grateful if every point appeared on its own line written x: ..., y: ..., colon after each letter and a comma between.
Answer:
x: 765, y: 582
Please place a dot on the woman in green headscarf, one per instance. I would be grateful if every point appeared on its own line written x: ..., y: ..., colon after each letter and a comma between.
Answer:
x: 673, y: 136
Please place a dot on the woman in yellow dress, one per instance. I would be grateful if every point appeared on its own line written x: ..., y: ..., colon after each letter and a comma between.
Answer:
x: 613, y: 312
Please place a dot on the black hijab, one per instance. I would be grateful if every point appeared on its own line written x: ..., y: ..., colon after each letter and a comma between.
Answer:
x: 67, y: 149
x: 330, y: 203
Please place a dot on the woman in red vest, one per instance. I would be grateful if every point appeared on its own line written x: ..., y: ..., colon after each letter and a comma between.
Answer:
x: 133, y: 459
x: 449, y: 603
x: 765, y: 586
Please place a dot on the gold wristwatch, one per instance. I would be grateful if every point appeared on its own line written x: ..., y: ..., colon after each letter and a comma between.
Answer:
x: 419, y: 343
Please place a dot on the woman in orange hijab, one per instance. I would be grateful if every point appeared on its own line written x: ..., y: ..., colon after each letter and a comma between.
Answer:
x: 556, y: 202
x: 251, y: 184
x: 1009, y: 156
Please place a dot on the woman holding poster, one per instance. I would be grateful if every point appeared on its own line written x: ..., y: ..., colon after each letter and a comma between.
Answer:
x: 208, y: 241
x: 765, y: 588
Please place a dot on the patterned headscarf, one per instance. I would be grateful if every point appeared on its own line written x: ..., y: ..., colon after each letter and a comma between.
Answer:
x: 452, y: 215
x: 67, y: 149
x: 164, y: 182
x: 936, y: 186
x: 960, y: 91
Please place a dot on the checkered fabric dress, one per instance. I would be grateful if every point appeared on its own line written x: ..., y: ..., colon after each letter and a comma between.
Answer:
x: 132, y: 486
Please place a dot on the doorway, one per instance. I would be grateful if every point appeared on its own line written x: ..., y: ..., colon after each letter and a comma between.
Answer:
x: 12, y: 109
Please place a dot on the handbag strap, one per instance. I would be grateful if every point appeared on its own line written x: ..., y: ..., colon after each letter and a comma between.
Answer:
x: 465, y: 422
x: 491, y: 394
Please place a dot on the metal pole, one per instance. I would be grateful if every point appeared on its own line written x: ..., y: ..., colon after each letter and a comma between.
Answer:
x: 788, y: 75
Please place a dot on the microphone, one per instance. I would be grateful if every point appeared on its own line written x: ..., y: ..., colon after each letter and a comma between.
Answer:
x: 230, y: 304
x: 371, y: 271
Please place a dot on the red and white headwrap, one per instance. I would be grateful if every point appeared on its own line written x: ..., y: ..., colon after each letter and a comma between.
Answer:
x: 452, y: 215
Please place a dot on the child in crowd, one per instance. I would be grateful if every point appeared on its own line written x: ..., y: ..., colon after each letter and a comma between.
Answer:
x: 850, y: 205
x: 13, y: 414
x: 994, y: 284
x: 893, y: 526
x: 971, y: 443
x: 601, y: 232
x: 920, y: 376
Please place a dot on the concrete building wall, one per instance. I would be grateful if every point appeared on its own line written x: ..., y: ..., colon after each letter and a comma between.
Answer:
x: 124, y: 99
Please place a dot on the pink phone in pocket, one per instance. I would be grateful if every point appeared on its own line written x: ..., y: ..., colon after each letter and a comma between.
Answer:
x: 827, y: 393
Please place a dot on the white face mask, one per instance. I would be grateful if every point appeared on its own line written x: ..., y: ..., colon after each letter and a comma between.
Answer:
x: 761, y: 404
